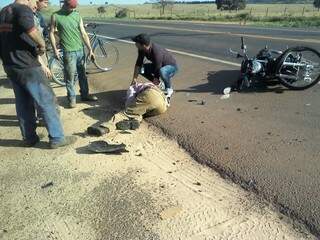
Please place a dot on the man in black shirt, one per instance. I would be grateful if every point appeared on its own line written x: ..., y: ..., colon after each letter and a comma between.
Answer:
x: 163, y: 65
x: 20, y: 47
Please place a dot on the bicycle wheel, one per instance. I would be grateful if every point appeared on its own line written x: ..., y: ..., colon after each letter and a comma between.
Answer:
x: 56, y: 68
x: 106, y: 55
x: 298, y: 68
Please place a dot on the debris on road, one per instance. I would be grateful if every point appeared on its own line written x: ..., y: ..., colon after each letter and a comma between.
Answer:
x: 97, y: 130
x: 46, y: 185
x: 105, y: 147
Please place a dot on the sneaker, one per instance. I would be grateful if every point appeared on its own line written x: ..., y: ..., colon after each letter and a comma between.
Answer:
x: 72, y: 103
x: 31, y: 143
x: 68, y: 140
x: 169, y: 92
x: 168, y: 101
x: 89, y: 98
x: 131, y: 124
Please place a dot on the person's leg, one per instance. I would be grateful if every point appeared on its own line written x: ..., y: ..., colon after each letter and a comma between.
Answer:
x: 70, y: 68
x: 166, y: 73
x: 157, y: 102
x: 38, y: 86
x: 138, y: 107
x: 148, y: 71
x: 81, y: 69
x: 24, y: 106
x: 83, y: 80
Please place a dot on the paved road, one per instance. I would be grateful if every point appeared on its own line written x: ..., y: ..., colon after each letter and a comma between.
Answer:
x: 211, y: 40
x: 266, y: 139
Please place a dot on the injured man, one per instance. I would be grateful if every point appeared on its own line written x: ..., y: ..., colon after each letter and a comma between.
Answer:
x: 142, y: 100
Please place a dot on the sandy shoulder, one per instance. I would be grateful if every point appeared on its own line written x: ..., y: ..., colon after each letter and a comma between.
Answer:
x: 154, y: 191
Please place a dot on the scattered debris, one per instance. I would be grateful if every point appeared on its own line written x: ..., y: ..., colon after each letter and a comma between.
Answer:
x: 162, y: 186
x: 105, y: 147
x: 170, y: 172
x: 227, y: 91
x: 308, y: 104
x: 226, y: 148
x: 197, y: 183
x: 192, y: 100
x: 223, y: 97
x: 97, y: 130
x: 238, y: 109
x: 139, y: 154
x: 203, y: 102
x: 49, y: 184
x: 256, y: 108
x: 125, y: 132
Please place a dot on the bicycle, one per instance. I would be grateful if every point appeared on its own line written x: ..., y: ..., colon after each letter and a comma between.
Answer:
x: 106, y: 56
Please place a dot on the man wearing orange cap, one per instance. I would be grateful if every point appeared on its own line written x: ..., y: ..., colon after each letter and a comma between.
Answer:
x: 72, y: 35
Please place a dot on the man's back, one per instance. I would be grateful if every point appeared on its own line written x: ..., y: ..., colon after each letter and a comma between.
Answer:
x: 68, y: 25
x: 16, y: 48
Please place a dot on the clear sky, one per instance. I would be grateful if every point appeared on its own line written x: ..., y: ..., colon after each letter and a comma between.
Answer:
x: 6, y: 2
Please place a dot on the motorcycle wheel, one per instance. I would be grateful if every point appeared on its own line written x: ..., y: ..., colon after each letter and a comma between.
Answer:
x: 298, y: 68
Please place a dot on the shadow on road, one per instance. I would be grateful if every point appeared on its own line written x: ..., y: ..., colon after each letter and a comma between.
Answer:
x: 8, y: 121
x: 218, y: 81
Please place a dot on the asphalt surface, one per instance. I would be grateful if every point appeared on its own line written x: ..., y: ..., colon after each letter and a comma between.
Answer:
x: 211, y: 40
x: 265, y: 139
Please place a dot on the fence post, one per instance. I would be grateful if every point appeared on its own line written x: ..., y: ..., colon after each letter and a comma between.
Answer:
x: 250, y: 13
x: 285, y: 12
x: 267, y: 11
x: 303, y: 9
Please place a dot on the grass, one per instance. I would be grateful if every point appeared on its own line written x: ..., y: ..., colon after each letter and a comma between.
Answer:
x: 289, y: 15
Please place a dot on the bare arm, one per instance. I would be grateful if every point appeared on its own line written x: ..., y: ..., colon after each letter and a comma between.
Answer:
x: 36, y: 37
x: 135, y: 74
x: 52, y: 37
x: 85, y: 37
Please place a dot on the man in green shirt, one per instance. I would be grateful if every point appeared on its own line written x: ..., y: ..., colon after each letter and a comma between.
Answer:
x: 72, y: 34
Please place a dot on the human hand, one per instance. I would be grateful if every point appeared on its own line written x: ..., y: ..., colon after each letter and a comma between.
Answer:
x: 47, y: 72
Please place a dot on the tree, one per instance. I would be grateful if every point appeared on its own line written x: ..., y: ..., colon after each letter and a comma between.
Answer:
x: 163, y: 4
x: 231, y: 4
x: 101, y: 10
x: 316, y: 4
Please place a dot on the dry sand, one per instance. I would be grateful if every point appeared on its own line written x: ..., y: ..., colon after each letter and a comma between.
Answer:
x: 154, y: 191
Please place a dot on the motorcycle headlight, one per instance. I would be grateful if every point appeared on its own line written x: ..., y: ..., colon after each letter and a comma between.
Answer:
x: 256, y: 66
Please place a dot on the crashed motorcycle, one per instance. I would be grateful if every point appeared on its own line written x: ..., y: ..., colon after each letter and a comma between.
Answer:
x: 296, y: 68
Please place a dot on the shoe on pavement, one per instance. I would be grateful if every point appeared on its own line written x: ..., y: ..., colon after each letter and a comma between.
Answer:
x: 68, y: 140
x: 31, y: 143
x: 89, y: 98
x: 130, y: 124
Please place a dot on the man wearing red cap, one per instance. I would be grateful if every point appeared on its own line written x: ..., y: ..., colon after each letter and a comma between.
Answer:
x: 72, y: 35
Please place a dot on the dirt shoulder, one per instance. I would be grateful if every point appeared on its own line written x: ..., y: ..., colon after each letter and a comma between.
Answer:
x: 154, y: 191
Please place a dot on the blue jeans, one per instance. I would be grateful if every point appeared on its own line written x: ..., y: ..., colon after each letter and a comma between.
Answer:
x: 75, y: 62
x: 31, y: 86
x: 166, y: 73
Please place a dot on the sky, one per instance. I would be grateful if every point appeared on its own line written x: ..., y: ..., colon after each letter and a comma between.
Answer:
x: 6, y: 2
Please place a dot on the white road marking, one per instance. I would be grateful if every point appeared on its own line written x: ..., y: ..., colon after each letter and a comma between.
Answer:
x: 180, y: 52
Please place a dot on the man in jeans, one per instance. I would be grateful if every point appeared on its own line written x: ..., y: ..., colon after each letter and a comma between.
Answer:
x: 72, y: 35
x: 20, y: 46
x: 163, y: 65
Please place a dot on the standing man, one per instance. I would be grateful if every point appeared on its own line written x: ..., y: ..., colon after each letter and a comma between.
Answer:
x: 72, y: 35
x: 163, y: 65
x: 20, y: 46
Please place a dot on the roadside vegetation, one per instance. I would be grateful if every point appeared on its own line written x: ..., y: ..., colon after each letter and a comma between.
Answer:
x: 286, y: 15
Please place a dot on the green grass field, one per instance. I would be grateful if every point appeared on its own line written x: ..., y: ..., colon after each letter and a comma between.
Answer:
x: 295, y: 15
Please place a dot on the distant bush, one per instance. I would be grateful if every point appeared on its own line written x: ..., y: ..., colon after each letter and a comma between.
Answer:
x: 122, y: 13
x: 231, y: 4
x: 101, y: 10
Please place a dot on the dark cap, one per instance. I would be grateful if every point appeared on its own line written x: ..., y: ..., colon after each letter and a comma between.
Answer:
x: 142, y: 38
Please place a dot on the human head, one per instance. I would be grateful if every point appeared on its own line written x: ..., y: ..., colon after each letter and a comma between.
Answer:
x: 70, y: 4
x: 42, y: 4
x: 142, y: 41
x: 32, y: 4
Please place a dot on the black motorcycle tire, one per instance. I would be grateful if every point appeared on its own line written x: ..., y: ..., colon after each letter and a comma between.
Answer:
x: 281, y: 59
